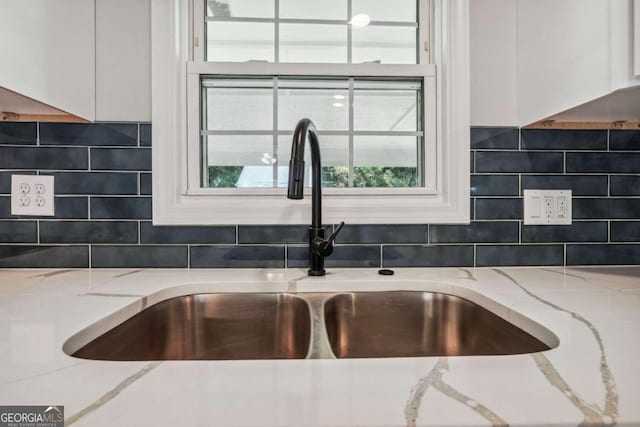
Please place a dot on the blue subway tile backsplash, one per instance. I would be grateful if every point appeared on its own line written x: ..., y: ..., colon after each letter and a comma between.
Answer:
x: 259, y: 234
x: 241, y: 256
x: 145, y: 135
x: 41, y: 256
x: 150, y: 234
x: 428, y: 256
x: 342, y: 257
x: 582, y: 231
x: 603, y: 162
x: 476, y: 232
x: 603, y: 254
x: 498, y: 208
x: 580, y: 185
x: 121, y: 208
x: 625, y: 231
x: 495, y: 185
x: 126, y: 159
x: 145, y: 183
x: 103, y: 207
x: 89, y: 232
x: 89, y: 134
x: 139, y: 256
x: 96, y: 183
x: 18, y: 231
x: 21, y: 133
x: 624, y: 140
x: 373, y: 233
x: 551, y: 139
x: 625, y: 185
x: 519, y: 162
x: 490, y: 137
x: 65, y: 158
x: 515, y: 255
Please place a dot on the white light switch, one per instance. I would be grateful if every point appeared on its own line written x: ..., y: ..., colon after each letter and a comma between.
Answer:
x: 547, y: 207
x: 32, y: 195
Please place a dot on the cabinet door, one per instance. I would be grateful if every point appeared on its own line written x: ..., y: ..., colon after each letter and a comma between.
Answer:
x: 48, y: 52
x: 123, y: 49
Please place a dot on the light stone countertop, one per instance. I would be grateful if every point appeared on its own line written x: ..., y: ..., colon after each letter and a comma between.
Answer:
x: 591, y: 378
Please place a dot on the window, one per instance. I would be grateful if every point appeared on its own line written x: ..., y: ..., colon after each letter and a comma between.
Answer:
x: 370, y: 131
x: 306, y: 31
x: 380, y: 79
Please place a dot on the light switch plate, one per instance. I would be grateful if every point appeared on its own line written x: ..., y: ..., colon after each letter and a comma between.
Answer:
x: 32, y: 195
x: 547, y: 207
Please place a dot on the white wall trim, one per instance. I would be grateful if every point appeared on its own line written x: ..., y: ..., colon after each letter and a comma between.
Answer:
x: 170, y: 47
x: 636, y: 38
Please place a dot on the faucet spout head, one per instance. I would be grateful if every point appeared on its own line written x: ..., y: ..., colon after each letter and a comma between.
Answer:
x: 296, y: 179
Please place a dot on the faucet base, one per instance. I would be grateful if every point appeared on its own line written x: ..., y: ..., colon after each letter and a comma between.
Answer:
x: 316, y: 261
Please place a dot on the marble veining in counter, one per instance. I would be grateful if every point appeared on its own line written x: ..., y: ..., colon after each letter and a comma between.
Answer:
x: 591, y: 378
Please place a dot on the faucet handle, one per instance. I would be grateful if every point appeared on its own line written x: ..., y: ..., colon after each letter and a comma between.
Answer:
x: 325, y: 247
x: 335, y: 233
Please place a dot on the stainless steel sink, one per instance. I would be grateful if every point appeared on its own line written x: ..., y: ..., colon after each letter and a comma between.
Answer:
x: 210, y: 327
x: 246, y: 326
x: 410, y: 324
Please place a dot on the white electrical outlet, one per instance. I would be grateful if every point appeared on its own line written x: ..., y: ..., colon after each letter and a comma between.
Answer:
x: 547, y: 207
x: 32, y: 195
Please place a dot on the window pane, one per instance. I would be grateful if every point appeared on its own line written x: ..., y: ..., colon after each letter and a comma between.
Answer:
x: 240, y: 41
x: 313, y: 43
x: 384, y: 10
x: 379, y: 156
x: 233, y: 105
x: 386, y: 106
x: 326, y: 102
x: 239, y: 161
x: 388, y: 45
x: 313, y: 9
x: 334, y: 152
x: 240, y: 8
x: 386, y: 161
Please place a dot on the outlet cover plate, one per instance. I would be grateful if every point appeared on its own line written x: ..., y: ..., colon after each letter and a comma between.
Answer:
x: 32, y: 195
x: 547, y: 207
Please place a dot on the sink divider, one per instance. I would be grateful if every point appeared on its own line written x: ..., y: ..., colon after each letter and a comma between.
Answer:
x: 319, y: 346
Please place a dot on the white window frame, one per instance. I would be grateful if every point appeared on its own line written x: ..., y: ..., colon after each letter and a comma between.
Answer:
x: 177, y: 196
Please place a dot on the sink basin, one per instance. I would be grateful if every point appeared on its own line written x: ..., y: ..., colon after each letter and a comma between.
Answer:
x: 412, y: 324
x: 245, y: 326
x: 210, y: 327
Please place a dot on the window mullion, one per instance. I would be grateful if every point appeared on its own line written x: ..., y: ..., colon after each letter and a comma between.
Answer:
x: 349, y: 32
x: 276, y: 37
x: 275, y: 131
x: 350, y: 176
x: 204, y: 139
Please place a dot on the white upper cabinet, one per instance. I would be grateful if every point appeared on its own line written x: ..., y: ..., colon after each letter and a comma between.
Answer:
x: 563, y: 55
x: 85, y: 58
x: 47, y: 54
x: 123, y: 60
x: 565, y: 60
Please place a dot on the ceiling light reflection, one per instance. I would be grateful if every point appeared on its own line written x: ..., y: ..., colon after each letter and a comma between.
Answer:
x: 360, y: 20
